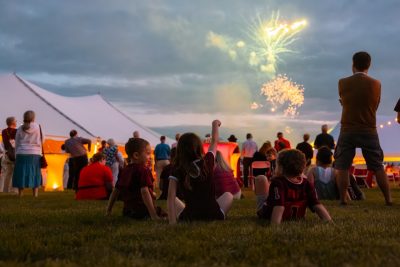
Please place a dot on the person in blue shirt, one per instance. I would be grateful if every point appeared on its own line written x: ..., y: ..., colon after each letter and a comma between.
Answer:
x: 162, y: 154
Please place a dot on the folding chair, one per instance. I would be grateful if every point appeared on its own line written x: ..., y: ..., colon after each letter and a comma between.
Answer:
x: 361, y: 174
x: 258, y: 165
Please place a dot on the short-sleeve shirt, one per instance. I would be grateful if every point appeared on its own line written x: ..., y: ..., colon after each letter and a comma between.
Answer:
x: 324, y: 139
x: 200, y: 196
x: 162, y: 151
x: 397, y: 107
x: 360, y: 95
x: 130, y: 181
x: 92, y: 182
x: 74, y: 146
x: 249, y: 147
x: 8, y: 135
x: 284, y: 141
x: 294, y: 197
x: 111, y: 155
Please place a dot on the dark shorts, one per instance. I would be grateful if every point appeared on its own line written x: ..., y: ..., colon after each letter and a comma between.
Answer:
x: 346, y: 150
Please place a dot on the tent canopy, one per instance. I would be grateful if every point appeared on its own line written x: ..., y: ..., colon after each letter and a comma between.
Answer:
x: 92, y: 116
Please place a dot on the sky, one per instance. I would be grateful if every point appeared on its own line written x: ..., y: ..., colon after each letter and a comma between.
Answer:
x: 152, y: 60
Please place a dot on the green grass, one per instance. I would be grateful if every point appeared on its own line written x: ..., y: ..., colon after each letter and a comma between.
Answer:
x: 56, y: 230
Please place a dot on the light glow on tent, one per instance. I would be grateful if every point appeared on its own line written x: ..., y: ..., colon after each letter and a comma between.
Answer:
x: 55, y: 170
x: 226, y: 149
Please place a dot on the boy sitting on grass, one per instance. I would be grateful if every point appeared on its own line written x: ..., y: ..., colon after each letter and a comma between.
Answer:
x: 289, y: 193
x: 135, y: 184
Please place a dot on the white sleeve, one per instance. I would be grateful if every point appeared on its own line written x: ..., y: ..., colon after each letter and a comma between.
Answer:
x: 173, y: 178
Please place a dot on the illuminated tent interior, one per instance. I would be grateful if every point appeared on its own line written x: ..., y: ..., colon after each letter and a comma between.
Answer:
x: 389, y: 134
x: 92, y: 116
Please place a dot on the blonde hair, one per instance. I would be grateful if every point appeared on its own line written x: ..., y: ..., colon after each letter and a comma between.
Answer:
x: 29, y: 116
x: 221, y: 162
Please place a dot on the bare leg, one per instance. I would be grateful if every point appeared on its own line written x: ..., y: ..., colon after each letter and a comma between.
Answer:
x: 179, y: 205
x: 343, y: 182
x: 35, y: 191
x: 382, y: 180
x: 261, y: 190
x: 261, y: 185
x: 237, y: 195
x: 225, y: 202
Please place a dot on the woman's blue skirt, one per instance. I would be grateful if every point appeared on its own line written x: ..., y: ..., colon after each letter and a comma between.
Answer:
x: 27, y: 172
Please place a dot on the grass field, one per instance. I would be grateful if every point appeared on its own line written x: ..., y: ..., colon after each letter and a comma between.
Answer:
x: 55, y: 230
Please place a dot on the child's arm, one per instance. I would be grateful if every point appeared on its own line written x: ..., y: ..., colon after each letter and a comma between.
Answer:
x: 111, y: 201
x: 214, y: 136
x: 277, y: 213
x: 148, y: 201
x: 310, y: 176
x: 171, y: 201
x: 322, y: 213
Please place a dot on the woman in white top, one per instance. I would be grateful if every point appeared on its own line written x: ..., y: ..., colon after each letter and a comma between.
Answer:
x: 28, y: 150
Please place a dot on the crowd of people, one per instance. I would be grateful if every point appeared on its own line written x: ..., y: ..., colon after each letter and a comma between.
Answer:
x: 202, y: 186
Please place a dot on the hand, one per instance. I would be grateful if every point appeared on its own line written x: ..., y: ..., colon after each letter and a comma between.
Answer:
x: 216, y: 123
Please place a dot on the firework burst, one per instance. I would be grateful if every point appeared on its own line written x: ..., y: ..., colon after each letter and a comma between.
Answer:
x: 270, y: 39
x: 282, y: 92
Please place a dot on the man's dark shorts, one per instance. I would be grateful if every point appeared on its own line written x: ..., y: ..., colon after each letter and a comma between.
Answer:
x: 370, y: 147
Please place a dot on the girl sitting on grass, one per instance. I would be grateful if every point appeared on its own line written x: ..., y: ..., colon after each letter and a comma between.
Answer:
x: 289, y: 193
x: 135, y: 184
x: 193, y: 173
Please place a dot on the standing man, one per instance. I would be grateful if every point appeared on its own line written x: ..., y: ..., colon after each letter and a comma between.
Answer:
x: 397, y: 109
x: 324, y: 139
x: 306, y: 148
x: 162, y: 153
x: 249, y: 147
x: 281, y: 143
x: 74, y: 146
x: 8, y: 161
x: 360, y: 96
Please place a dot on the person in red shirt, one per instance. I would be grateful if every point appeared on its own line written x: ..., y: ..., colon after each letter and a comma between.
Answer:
x: 135, y: 184
x: 8, y: 161
x: 289, y: 193
x: 95, y: 180
x: 281, y: 143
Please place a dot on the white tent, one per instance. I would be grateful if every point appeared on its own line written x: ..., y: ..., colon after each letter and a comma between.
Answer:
x: 92, y: 116
x: 389, y: 137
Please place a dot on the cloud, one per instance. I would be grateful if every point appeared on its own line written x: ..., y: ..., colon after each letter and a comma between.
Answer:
x: 153, y: 54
